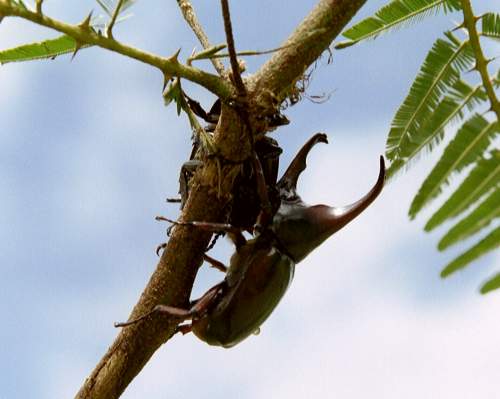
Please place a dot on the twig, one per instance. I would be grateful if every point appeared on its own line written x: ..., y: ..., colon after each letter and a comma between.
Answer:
x: 247, y: 53
x: 116, y: 12
x: 238, y: 81
x: 481, y: 62
x: 192, y: 20
x: 38, y: 5
x: 87, y: 36
x: 242, y: 106
x: 309, y: 40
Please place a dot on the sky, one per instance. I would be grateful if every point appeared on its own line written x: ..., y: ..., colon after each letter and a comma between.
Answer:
x: 88, y: 154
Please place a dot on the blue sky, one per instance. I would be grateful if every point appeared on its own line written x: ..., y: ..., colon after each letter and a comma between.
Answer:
x: 88, y: 153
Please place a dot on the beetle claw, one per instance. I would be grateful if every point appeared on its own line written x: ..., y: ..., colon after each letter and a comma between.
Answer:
x: 160, y: 247
x: 184, y: 329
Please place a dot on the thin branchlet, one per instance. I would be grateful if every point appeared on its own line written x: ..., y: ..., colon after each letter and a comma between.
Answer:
x: 84, y: 36
x: 38, y: 5
x: 242, y: 106
x: 238, y: 81
x: 189, y: 15
x: 116, y: 12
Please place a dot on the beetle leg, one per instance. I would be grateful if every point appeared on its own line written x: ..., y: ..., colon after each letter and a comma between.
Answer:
x: 288, y: 182
x: 206, y: 300
x: 266, y: 214
x: 175, y: 312
x: 187, y: 170
x: 215, y: 263
x: 211, y: 117
x: 235, y: 233
x: 214, y: 241
x: 200, y: 306
x: 183, y: 329
x: 160, y: 247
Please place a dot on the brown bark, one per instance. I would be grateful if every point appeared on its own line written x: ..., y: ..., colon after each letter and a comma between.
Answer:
x: 173, y: 279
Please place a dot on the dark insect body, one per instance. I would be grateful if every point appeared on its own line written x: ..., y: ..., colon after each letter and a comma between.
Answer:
x: 262, y: 268
x: 245, y: 204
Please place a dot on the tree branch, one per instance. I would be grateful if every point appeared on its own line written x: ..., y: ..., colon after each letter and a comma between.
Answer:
x: 190, y: 17
x: 83, y: 34
x: 306, y: 44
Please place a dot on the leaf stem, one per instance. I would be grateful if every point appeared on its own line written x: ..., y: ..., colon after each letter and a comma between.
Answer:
x: 481, y: 63
x: 376, y: 32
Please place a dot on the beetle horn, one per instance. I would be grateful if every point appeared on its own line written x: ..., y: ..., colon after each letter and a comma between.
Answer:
x: 301, y: 228
x: 288, y: 182
x: 340, y: 216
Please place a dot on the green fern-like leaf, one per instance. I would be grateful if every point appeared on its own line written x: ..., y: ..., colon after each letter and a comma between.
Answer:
x: 487, y: 244
x: 42, y: 50
x: 496, y: 80
x: 174, y: 93
x: 491, y: 26
x: 396, y: 14
x: 469, y: 144
x: 482, y: 179
x: 451, y: 108
x: 207, y: 53
x: 481, y: 217
x: 439, y: 72
x: 491, y: 285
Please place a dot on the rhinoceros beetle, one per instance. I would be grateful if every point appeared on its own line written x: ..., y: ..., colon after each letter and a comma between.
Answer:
x: 262, y: 268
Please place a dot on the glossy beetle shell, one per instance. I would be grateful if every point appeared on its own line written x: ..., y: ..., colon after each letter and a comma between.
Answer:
x: 258, y: 277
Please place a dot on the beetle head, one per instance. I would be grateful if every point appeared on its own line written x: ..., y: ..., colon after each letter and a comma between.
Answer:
x: 301, y: 228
